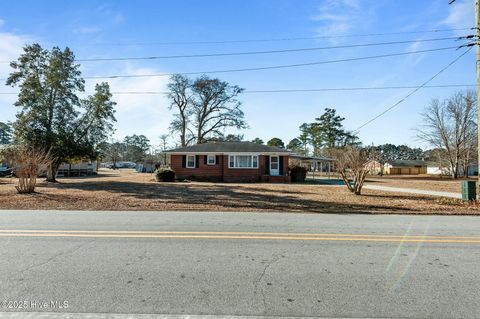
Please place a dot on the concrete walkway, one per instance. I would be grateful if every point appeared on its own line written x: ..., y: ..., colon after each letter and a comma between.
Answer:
x: 413, y: 191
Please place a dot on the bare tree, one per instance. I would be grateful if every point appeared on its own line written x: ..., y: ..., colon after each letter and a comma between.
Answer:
x: 163, y: 147
x: 449, y: 125
x: 180, y: 99
x: 215, y: 107
x: 352, y: 166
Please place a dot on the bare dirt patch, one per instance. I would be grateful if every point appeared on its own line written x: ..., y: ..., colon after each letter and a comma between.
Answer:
x: 128, y: 190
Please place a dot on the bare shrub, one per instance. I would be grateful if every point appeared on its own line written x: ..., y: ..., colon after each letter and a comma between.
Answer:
x: 352, y: 166
x: 27, y: 164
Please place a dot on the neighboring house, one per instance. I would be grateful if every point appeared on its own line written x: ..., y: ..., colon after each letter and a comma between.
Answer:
x: 374, y: 167
x: 231, y: 162
x: 145, y: 167
x: 119, y: 164
x: 152, y: 162
x: 473, y: 169
x: 313, y: 164
x: 435, y: 169
x: 405, y: 167
x: 79, y: 168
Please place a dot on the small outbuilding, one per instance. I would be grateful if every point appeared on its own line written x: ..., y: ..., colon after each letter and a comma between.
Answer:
x: 406, y: 167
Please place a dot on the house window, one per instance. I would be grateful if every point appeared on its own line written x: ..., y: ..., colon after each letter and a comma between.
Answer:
x: 190, y: 161
x: 243, y: 161
x: 211, y: 160
x: 255, y: 161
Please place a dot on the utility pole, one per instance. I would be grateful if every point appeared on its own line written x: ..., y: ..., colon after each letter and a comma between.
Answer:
x: 477, y: 43
x: 477, y: 40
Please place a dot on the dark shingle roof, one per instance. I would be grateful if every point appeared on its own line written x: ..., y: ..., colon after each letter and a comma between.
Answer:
x: 407, y: 163
x: 229, y: 147
x: 311, y: 158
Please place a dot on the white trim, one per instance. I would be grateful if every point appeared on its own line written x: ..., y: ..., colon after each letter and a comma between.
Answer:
x: 244, y: 154
x: 274, y: 172
x: 214, y: 159
x: 194, y: 161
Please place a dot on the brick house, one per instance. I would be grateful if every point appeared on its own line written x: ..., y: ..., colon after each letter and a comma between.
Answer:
x: 230, y: 162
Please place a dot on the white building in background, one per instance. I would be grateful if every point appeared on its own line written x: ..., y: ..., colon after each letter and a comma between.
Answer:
x: 435, y: 169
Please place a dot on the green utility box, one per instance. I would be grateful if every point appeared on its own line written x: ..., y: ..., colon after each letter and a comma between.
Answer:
x: 468, y: 190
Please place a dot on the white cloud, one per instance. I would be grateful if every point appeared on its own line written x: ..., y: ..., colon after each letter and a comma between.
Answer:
x: 10, y: 48
x: 136, y: 113
x: 414, y: 59
x: 461, y: 15
x: 337, y: 17
x: 107, y: 9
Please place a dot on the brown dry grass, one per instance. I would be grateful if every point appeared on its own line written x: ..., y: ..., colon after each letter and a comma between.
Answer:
x: 127, y: 190
x: 425, y: 182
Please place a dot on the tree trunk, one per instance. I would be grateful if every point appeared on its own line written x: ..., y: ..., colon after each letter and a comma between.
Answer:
x: 455, y: 172
x: 199, y: 136
x: 52, y: 170
x: 183, y: 136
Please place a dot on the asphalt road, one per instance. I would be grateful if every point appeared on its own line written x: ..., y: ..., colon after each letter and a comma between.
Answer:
x: 249, y: 264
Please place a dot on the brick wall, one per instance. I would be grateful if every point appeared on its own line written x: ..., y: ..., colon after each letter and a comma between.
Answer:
x: 242, y: 174
x: 202, y: 173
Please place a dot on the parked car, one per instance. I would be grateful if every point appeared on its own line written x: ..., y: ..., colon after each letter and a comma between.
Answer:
x: 5, y: 171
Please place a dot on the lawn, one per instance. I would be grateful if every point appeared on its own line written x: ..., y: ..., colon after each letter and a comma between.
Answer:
x: 128, y: 190
x: 424, y: 182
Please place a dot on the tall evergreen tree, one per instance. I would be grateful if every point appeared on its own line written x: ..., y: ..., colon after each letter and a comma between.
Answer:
x: 5, y: 133
x: 276, y: 142
x: 296, y: 146
x: 257, y: 140
x: 52, y: 116
x: 136, y: 147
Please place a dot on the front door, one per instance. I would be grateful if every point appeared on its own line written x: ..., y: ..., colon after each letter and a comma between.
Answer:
x: 274, y: 165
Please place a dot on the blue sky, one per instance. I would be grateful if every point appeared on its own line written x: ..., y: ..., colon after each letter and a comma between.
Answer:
x: 115, y: 29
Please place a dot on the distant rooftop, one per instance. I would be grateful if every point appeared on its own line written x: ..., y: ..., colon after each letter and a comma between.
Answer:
x: 229, y: 147
x: 408, y: 163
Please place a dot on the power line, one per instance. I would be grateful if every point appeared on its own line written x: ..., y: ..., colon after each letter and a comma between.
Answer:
x: 261, y: 52
x: 270, y: 67
x: 285, y: 39
x: 294, y: 90
x: 358, y: 88
x: 424, y: 84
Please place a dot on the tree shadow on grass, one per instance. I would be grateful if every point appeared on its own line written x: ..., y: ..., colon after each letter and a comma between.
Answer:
x: 228, y: 197
x: 422, y: 198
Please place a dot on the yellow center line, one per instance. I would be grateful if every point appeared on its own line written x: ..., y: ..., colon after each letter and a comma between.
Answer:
x: 146, y: 232
x: 179, y: 236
